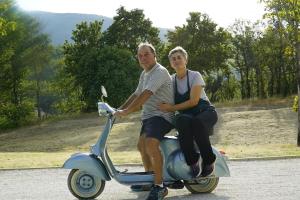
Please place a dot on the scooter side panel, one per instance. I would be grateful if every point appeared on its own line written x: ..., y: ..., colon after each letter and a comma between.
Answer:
x: 88, y: 163
x: 174, y: 162
x: 168, y: 146
x: 221, y: 168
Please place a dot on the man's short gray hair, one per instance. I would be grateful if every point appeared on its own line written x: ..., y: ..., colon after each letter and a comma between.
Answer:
x: 178, y: 49
x: 146, y: 44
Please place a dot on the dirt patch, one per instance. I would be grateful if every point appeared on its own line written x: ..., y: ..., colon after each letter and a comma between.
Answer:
x: 272, y: 126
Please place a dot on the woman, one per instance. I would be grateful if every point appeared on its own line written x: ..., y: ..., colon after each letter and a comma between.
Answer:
x: 196, y: 116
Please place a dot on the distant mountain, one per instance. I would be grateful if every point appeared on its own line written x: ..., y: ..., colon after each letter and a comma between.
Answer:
x: 60, y: 25
x: 163, y: 33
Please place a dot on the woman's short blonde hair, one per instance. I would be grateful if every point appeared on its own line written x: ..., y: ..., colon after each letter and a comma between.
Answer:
x: 178, y: 49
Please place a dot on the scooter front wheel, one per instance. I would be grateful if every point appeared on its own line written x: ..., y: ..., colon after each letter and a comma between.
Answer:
x: 202, y: 185
x: 84, y: 185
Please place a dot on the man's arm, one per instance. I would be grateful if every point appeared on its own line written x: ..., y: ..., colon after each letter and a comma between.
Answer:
x: 134, y: 95
x: 136, y: 104
x: 130, y: 99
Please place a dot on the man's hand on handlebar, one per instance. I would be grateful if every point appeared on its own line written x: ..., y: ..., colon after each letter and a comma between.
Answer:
x: 121, y: 113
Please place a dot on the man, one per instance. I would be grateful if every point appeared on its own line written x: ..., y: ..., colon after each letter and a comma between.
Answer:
x: 155, y: 86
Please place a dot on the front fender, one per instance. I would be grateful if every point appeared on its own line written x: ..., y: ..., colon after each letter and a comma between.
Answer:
x: 87, y: 163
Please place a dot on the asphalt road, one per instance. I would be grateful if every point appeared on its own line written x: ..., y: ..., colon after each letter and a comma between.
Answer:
x: 250, y: 180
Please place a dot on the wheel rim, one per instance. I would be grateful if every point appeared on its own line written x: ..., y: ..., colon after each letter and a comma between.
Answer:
x: 85, y: 185
x: 86, y: 181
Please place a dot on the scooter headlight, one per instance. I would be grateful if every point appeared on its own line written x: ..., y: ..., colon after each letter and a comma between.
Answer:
x: 105, y: 109
x: 102, y: 109
x: 102, y: 112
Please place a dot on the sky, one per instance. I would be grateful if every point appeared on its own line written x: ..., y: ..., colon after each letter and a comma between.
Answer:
x: 163, y: 13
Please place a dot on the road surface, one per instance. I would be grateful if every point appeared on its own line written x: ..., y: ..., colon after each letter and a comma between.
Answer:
x: 250, y: 180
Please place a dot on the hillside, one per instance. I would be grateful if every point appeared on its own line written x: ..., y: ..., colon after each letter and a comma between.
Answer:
x: 60, y: 25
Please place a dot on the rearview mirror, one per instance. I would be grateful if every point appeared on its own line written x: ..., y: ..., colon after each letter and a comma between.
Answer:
x: 104, y: 93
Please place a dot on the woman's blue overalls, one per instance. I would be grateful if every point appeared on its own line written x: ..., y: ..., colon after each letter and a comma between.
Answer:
x: 195, y: 124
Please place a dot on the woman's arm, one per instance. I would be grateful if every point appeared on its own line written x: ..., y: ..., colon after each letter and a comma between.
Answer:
x: 193, y: 101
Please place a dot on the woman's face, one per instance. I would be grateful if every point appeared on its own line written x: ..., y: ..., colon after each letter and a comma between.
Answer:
x: 178, y: 61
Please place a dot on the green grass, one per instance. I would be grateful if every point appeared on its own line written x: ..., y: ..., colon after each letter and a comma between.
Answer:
x: 240, y: 133
x: 21, y: 160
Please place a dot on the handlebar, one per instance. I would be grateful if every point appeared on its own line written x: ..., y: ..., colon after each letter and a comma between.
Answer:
x: 104, y: 109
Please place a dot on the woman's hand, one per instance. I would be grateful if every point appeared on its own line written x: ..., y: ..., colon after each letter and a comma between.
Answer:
x: 165, y: 107
x: 121, y: 113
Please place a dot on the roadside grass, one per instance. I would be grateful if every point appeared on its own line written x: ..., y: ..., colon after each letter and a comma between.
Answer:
x: 241, y: 133
x: 260, y: 103
x: 258, y: 151
x: 23, y: 160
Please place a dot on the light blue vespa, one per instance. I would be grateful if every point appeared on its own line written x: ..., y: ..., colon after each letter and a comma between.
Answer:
x: 91, y: 170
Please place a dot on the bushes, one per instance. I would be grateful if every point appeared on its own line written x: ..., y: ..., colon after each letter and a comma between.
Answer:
x: 12, y: 116
x: 295, y: 105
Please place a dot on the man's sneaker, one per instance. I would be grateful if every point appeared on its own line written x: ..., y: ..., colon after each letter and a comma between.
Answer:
x: 195, y: 169
x: 208, y: 170
x: 157, y: 193
x: 175, y: 185
x: 140, y: 188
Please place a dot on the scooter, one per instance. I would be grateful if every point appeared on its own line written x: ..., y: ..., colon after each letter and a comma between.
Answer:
x: 91, y: 170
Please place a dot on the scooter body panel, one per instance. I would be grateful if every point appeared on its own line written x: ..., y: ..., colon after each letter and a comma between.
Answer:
x: 175, y: 167
x: 89, y: 163
x: 169, y: 146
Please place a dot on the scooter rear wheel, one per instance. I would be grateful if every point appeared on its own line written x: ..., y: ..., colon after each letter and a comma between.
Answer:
x: 202, y: 185
x: 84, y: 185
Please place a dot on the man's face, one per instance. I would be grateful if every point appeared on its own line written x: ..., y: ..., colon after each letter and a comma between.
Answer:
x: 146, y: 57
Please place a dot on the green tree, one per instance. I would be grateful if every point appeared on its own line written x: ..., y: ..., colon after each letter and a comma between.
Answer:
x: 67, y: 99
x: 208, y: 50
x: 38, y: 58
x: 276, y: 59
x: 16, y: 107
x: 287, y: 13
x: 264, y: 60
x: 129, y: 29
x: 119, y: 72
x: 6, y: 26
x: 81, y: 58
x: 244, y: 40
x: 16, y: 102
x: 207, y: 46
x: 8, y: 16
x: 92, y: 65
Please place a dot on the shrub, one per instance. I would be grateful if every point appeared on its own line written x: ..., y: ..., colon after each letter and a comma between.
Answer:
x: 295, y: 105
x: 12, y: 115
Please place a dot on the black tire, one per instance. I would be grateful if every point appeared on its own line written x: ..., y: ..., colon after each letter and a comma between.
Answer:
x: 202, y: 185
x: 84, y: 185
